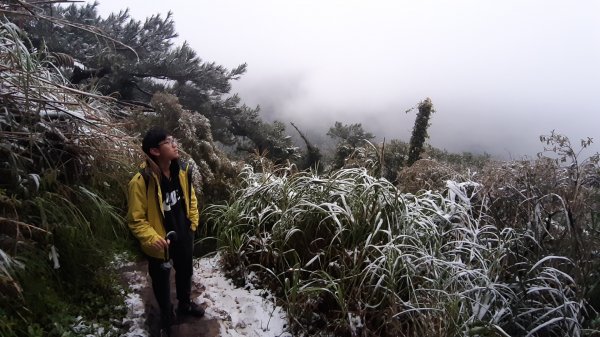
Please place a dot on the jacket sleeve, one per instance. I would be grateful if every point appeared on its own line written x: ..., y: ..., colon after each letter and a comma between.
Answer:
x: 194, y: 214
x: 137, y: 213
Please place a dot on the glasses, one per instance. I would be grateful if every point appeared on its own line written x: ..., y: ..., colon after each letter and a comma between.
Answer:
x: 170, y: 140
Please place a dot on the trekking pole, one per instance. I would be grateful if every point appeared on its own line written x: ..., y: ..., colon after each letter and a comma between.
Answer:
x: 172, y: 237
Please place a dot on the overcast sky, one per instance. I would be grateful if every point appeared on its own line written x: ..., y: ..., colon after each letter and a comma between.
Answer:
x: 499, y: 73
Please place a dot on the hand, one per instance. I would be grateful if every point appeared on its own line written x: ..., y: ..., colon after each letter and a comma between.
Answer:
x: 161, y: 244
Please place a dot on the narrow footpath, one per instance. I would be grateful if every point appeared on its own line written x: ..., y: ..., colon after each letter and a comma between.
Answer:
x: 135, y: 276
x: 230, y: 311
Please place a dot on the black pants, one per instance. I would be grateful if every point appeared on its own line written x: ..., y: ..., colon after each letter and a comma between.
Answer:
x: 181, y: 252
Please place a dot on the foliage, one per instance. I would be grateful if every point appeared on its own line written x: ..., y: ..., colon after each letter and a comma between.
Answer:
x: 151, y: 63
x: 62, y: 164
x: 394, y: 158
x: 382, y: 160
x: 352, y: 135
x: 214, y: 174
x: 419, y: 133
x: 389, y: 161
x: 349, y: 137
x: 271, y: 140
x: 556, y: 198
x: 458, y: 161
x: 312, y: 158
x: 426, y: 175
x: 349, y: 253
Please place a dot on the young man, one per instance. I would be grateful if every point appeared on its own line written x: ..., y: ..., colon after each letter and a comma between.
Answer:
x: 161, y: 200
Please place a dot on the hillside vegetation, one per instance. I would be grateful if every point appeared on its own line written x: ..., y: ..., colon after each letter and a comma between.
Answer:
x: 391, y: 239
x: 353, y: 253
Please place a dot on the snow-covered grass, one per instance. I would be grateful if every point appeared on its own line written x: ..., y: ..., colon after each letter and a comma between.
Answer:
x: 351, y: 252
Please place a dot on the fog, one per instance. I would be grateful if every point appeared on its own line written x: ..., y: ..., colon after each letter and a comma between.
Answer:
x: 498, y: 73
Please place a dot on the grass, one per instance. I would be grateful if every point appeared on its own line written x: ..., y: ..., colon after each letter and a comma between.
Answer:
x: 347, y: 247
x: 60, y: 197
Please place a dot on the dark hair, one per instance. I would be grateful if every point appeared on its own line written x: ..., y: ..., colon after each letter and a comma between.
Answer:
x: 153, y: 136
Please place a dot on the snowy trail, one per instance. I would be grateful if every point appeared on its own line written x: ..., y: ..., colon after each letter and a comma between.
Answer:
x: 240, y: 312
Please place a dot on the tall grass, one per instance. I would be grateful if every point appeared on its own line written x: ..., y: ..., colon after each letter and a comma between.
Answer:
x: 556, y: 199
x: 350, y: 252
x: 63, y: 165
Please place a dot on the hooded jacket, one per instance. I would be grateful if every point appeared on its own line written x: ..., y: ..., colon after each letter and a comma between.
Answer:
x: 145, y: 216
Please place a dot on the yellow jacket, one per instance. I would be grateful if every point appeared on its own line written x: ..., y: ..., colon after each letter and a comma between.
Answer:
x: 145, y: 215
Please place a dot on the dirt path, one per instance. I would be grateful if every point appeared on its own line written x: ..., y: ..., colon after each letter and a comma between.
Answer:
x: 188, y: 327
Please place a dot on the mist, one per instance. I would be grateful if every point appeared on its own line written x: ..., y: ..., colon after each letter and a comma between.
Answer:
x: 499, y: 74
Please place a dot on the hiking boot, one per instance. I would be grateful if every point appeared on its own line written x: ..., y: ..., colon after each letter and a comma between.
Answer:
x: 165, y: 332
x: 166, y: 321
x: 191, y: 309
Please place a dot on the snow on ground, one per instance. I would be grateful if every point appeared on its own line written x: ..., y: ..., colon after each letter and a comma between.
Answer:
x: 242, y: 312
x: 136, y: 315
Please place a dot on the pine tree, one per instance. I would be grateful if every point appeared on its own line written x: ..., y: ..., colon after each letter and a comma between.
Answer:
x: 349, y: 137
x: 132, y: 60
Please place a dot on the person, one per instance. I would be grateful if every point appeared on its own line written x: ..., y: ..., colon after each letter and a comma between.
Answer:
x: 162, y: 199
